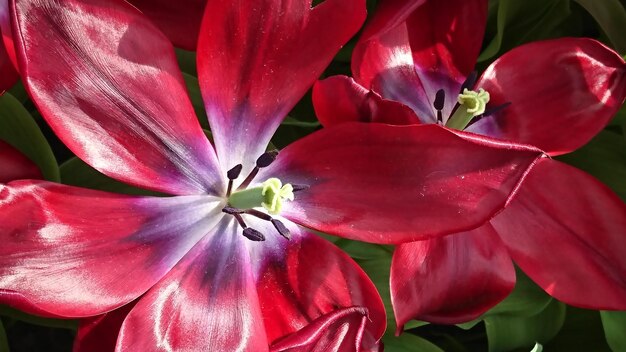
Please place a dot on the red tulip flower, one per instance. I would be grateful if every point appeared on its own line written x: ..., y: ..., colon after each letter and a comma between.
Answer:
x: 227, y: 261
x: 565, y: 229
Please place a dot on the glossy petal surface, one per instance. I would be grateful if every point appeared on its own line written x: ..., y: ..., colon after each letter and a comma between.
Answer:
x: 340, y: 99
x: 107, y: 82
x: 304, y: 281
x: 445, y: 39
x: 16, y: 166
x: 432, y: 47
x: 393, y: 184
x: 257, y: 58
x: 339, y: 331
x: 573, y: 85
x: 7, y: 39
x: 179, y: 21
x: 452, y: 279
x: 572, y: 244
x: 385, y: 65
x: 73, y: 252
x: 207, y: 302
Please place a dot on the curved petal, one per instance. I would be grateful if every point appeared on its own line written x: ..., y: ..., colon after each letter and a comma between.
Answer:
x: 340, y: 99
x: 107, y: 82
x: 8, y: 74
x: 567, y: 231
x: 257, y: 58
x: 385, y: 65
x: 445, y: 39
x: 207, y: 302
x: 452, y: 279
x: 15, y: 166
x: 393, y: 184
x: 99, y: 334
x: 305, y: 279
x: 63, y: 247
x: 388, y: 15
x: 339, y: 331
x: 435, y: 46
x: 560, y: 98
x: 7, y: 37
x: 179, y: 21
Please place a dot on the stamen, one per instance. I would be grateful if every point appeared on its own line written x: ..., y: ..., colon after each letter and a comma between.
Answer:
x: 281, y: 228
x: 253, y: 234
x: 263, y: 161
x: 488, y: 112
x: 259, y: 214
x: 495, y: 109
x: 232, y: 174
x: 232, y: 211
x: 440, y: 99
x: 470, y: 81
x: 278, y: 225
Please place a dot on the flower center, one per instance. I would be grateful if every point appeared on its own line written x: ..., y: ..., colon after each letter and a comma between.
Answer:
x: 471, y: 105
x: 270, y: 195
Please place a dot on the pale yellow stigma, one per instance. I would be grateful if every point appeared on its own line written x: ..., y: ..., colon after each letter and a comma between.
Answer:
x: 474, y: 102
x: 275, y: 193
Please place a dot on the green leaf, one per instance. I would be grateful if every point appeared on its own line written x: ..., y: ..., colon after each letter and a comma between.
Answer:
x: 31, y: 319
x: 605, y: 158
x: 506, y: 332
x: 187, y: 61
x: 378, y: 270
x: 527, y: 299
x: 75, y: 172
x: 290, y: 121
x: 4, y: 342
x: 196, y: 99
x: 408, y: 343
x: 521, y: 22
x: 611, y: 17
x: 615, y: 329
x: 364, y: 251
x: 18, y: 128
x: 582, y: 331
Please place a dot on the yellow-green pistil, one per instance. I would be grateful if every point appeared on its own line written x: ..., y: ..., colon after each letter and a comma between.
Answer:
x: 472, y: 104
x: 270, y: 195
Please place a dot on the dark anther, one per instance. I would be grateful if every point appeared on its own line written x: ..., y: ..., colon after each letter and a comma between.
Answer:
x: 495, y: 109
x: 297, y: 188
x: 232, y: 211
x: 469, y: 81
x: 259, y: 214
x: 232, y: 174
x: 253, y: 234
x: 266, y: 158
x: 440, y: 99
x: 281, y: 228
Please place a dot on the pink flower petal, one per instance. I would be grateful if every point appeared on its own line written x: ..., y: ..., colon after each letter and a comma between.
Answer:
x: 107, y: 82
x: 179, y: 21
x: 72, y: 252
x: 567, y: 231
x: 257, y: 58
x: 452, y: 279
x: 340, y: 99
x: 393, y: 184
x: 562, y: 93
